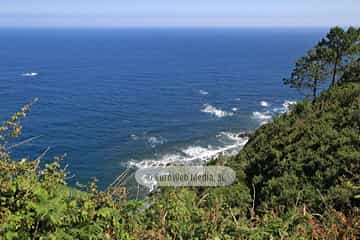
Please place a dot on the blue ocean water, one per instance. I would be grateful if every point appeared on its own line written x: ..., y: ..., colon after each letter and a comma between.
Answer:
x: 110, y: 97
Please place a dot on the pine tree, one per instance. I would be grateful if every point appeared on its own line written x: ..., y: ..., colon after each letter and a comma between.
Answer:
x: 308, y: 73
x: 338, y: 49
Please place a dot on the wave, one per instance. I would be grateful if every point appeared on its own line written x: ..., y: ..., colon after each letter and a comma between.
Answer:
x: 155, y: 141
x: 262, y: 115
x: 226, y: 143
x: 266, y: 116
x: 30, y: 74
x: 264, y: 104
x: 203, y: 92
x: 285, y: 107
x: 197, y: 154
x: 234, y: 109
x: 207, y: 108
x: 134, y: 137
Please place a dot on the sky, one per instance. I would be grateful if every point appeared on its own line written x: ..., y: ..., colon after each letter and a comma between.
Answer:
x: 166, y: 13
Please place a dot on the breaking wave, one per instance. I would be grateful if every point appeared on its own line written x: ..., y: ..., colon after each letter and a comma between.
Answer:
x: 262, y: 115
x: 29, y: 74
x: 225, y: 143
x: 264, y: 104
x: 266, y: 116
x: 153, y: 141
x: 285, y: 107
x: 207, y: 108
x: 229, y: 144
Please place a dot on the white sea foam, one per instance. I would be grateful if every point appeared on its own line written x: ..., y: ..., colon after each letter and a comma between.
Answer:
x: 266, y: 116
x: 158, y: 162
x: 203, y: 92
x: 285, y: 107
x: 191, y: 154
x: 207, y: 108
x: 264, y: 104
x: 287, y: 104
x: 228, y: 143
x: 233, y: 136
x: 234, y: 109
x: 262, y: 115
x: 264, y: 122
x: 29, y: 74
x: 155, y: 141
x: 194, y: 151
x: 134, y: 137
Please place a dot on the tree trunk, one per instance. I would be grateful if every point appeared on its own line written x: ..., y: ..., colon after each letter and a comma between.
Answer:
x: 314, y: 90
x: 333, y: 81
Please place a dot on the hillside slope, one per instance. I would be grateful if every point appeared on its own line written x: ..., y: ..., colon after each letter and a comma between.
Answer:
x: 309, y: 156
x: 297, y: 178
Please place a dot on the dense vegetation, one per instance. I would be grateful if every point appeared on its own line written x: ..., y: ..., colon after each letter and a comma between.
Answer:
x: 297, y: 178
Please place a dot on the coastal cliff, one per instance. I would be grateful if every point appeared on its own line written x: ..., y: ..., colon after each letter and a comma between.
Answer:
x: 296, y: 177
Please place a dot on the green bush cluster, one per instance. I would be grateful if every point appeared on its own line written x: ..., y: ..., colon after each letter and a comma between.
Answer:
x: 36, y: 203
x: 310, y: 156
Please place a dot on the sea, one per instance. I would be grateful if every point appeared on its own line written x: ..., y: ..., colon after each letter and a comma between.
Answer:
x: 110, y: 99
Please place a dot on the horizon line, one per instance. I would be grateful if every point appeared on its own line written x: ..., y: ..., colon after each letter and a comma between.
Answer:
x: 170, y: 26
